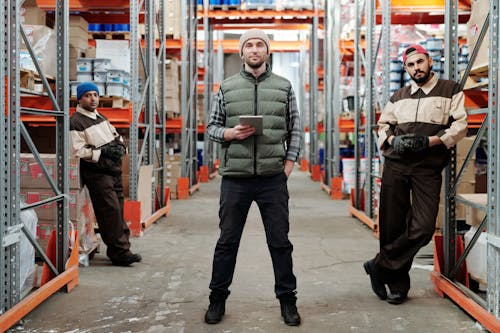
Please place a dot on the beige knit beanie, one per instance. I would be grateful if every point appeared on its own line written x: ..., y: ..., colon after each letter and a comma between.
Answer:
x: 253, y: 33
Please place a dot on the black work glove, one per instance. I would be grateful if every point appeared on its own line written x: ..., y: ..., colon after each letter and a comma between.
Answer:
x: 113, y: 151
x: 400, y: 145
x: 416, y: 143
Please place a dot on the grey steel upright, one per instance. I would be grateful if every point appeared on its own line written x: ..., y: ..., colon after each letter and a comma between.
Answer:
x: 493, y: 251
x: 208, y: 80
x: 313, y: 89
x: 11, y: 226
x: 189, y: 77
x: 333, y: 101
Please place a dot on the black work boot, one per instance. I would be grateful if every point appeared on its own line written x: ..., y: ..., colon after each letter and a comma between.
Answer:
x: 216, y: 309
x: 377, y: 286
x: 289, y: 311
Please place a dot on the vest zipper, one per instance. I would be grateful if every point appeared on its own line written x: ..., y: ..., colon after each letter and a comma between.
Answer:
x: 255, y: 137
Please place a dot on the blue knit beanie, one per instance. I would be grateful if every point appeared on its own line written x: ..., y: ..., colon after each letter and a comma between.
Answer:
x: 85, y: 87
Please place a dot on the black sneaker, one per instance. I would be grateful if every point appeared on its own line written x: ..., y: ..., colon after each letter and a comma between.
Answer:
x: 396, y: 297
x: 289, y: 313
x: 126, y: 260
x: 377, y: 286
x: 215, y: 312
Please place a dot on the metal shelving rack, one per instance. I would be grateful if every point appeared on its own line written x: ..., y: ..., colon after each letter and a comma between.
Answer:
x: 487, y: 312
x: 313, y: 93
x: 150, y: 103
x: 364, y: 209
x: 333, y: 100
x: 189, y: 95
x: 62, y: 266
x: 208, y: 86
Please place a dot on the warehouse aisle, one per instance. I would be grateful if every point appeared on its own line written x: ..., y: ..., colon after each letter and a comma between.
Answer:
x: 168, y: 291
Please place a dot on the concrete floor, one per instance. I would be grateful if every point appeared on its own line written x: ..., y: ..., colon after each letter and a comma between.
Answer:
x: 168, y: 291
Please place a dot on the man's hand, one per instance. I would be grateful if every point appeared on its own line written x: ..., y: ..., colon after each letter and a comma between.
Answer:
x: 416, y: 143
x: 238, y: 132
x: 399, y: 145
x: 409, y: 143
x: 289, y: 167
x: 113, y: 151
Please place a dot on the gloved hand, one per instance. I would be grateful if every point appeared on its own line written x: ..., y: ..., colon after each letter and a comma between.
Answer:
x: 416, y: 143
x: 113, y: 151
x: 399, y: 143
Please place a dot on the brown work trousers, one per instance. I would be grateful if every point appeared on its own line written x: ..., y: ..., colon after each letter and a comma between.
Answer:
x: 409, y: 204
x: 106, y: 194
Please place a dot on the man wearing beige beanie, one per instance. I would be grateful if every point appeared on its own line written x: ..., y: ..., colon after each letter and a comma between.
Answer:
x: 255, y: 166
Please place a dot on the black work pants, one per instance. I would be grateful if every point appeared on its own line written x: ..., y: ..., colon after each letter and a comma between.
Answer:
x: 409, y: 203
x: 271, y: 196
x: 106, y: 194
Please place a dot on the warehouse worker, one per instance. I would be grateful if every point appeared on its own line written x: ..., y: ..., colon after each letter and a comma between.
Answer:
x: 100, y: 149
x: 255, y: 168
x: 417, y: 128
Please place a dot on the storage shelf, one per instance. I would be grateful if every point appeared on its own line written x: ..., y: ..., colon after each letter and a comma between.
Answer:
x: 120, y: 118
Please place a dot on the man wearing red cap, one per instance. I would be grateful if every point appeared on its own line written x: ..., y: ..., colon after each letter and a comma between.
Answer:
x: 418, y: 126
x: 255, y: 167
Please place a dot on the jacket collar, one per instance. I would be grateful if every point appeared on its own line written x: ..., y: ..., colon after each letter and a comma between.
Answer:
x: 86, y: 113
x: 262, y: 77
x: 427, y: 87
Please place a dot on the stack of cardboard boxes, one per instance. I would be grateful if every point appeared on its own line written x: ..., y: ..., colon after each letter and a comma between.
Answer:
x: 479, y: 12
x: 172, y: 100
x: 35, y: 187
x: 467, y: 185
x: 173, y: 173
x: 78, y: 42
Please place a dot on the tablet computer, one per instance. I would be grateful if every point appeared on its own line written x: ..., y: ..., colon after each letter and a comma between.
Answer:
x: 254, y: 121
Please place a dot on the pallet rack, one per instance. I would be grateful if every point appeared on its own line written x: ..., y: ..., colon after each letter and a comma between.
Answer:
x: 310, y: 20
x: 146, y: 115
x: 60, y: 267
x: 449, y: 254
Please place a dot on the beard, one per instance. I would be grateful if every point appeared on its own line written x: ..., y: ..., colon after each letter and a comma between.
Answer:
x: 422, y: 79
x: 255, y: 65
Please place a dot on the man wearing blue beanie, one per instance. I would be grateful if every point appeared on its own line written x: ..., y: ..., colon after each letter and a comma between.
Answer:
x: 100, y: 149
x: 85, y: 87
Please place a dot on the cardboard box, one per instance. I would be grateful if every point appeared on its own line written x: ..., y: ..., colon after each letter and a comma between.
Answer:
x: 474, y: 216
x: 464, y: 146
x: 479, y: 11
x: 84, y: 223
x: 144, y: 191
x: 31, y: 14
x: 32, y: 176
x: 48, y: 211
x: 78, y: 21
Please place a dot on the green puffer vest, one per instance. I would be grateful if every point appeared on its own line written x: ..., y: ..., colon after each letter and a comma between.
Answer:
x: 257, y: 155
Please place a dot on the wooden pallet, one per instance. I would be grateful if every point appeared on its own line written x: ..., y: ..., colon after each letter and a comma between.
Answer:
x: 479, y: 71
x: 225, y: 7
x: 30, y: 79
x: 109, y: 35
x: 173, y: 115
x: 115, y: 102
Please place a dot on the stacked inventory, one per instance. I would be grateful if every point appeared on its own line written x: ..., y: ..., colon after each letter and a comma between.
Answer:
x: 35, y: 188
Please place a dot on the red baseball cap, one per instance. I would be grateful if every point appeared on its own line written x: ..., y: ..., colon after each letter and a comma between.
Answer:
x: 412, y: 50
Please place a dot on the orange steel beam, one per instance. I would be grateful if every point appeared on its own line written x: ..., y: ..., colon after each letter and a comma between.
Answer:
x: 232, y: 45
x: 360, y: 215
x: 67, y: 278
x: 230, y: 26
x: 194, y: 188
x: 86, y: 5
x: 261, y: 14
x: 488, y: 320
x: 156, y: 215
